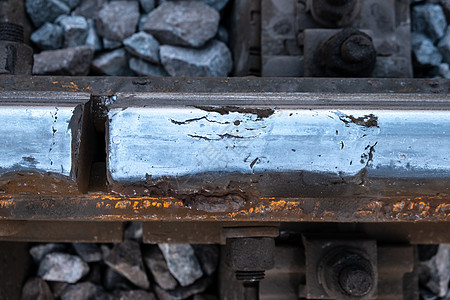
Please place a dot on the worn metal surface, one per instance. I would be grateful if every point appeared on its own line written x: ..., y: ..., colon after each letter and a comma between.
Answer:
x: 283, y: 281
x: 205, y: 232
x: 298, y: 196
x: 175, y: 141
x: 397, y: 277
x: 16, y: 267
x: 62, y: 231
x: 319, y: 86
x: 41, y: 135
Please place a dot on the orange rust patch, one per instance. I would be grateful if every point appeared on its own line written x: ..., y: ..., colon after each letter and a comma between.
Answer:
x: 122, y: 204
x: 398, y: 206
x: 6, y: 203
x: 443, y: 208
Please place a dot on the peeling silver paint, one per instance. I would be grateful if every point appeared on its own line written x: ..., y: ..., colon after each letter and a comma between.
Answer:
x: 35, y: 138
x: 174, y: 141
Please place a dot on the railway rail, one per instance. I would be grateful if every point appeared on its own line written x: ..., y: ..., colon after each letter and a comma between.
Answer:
x: 356, y: 171
x: 203, y: 160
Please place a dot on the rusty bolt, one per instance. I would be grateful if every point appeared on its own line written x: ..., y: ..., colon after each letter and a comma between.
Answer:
x: 355, y: 281
x: 250, y: 257
x: 349, y: 52
x: 16, y: 58
x: 347, y: 274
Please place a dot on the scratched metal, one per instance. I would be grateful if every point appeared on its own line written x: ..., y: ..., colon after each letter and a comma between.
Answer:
x: 36, y: 130
x: 176, y: 141
x: 36, y: 138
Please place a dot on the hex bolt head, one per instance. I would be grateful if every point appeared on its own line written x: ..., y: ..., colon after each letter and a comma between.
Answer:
x: 349, y: 52
x: 357, y: 48
x: 346, y: 274
x: 250, y: 257
x: 356, y: 281
x: 250, y: 254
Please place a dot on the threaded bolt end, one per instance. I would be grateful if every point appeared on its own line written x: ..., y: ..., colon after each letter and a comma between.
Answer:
x: 11, y: 32
x: 250, y: 275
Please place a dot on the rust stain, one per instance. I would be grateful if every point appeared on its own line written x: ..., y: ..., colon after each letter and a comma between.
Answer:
x: 371, y: 209
x: 261, y: 113
x: 37, y: 183
x: 123, y: 204
x: 433, y: 208
x: 6, y: 203
x: 365, y: 121
x: 398, y: 206
x: 443, y: 208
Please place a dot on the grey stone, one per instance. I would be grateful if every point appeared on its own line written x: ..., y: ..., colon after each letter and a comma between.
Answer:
x: 107, y: 23
x: 438, y: 268
x: 89, y: 252
x: 183, y: 292
x: 114, y: 63
x: 111, y: 45
x: 134, y: 230
x: 216, y: 4
x: 58, y: 288
x: 222, y: 34
x: 71, y: 3
x: 84, y: 290
x: 143, y: 68
x: 75, y: 30
x: 41, y: 11
x: 183, y: 23
x: 62, y: 267
x: 59, y: 18
x: 428, y: 19
x: 213, y: 60
x: 143, y: 45
x: 425, y: 51
x: 70, y: 61
x: 105, y: 250
x: 154, y: 260
x: 92, y: 38
x: 126, y: 259
x: 427, y: 295
x: 142, y: 20
x: 36, y: 289
x: 182, y: 262
x: 113, y: 280
x: 208, y: 256
x: 446, y: 8
x: 444, y: 70
x: 102, y: 295
x: 135, y: 295
x: 147, y: 5
x: 444, y: 46
x: 89, y: 8
x: 39, y: 251
x: 48, y: 37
